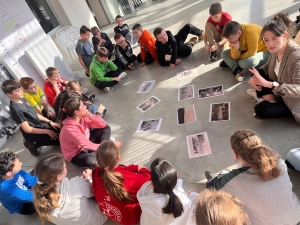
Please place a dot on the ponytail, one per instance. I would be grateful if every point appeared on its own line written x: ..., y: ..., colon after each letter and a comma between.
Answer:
x: 261, y: 158
x: 107, y: 158
x: 68, y: 104
x: 264, y: 162
x: 46, y: 195
x: 164, y: 180
x: 278, y: 25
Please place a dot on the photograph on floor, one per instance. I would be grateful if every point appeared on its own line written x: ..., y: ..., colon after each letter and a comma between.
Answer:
x: 198, y: 145
x: 146, y: 86
x: 186, y: 92
x: 219, y: 112
x: 187, y: 73
x: 210, y: 92
x: 186, y: 114
x: 149, y: 125
x: 148, y: 104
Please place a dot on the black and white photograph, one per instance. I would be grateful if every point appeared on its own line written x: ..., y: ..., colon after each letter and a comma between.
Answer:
x: 219, y: 112
x: 198, y: 145
x: 187, y: 73
x: 186, y: 114
x: 186, y: 92
x: 148, y: 104
x: 149, y: 125
x: 210, y: 92
x: 146, y: 86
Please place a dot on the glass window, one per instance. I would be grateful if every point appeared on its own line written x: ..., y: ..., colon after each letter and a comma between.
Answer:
x: 43, y: 14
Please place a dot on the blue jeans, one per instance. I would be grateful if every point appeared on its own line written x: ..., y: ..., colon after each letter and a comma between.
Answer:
x: 92, y: 108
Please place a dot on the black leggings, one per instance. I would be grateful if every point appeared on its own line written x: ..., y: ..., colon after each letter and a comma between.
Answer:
x: 103, y: 84
x: 268, y: 110
x: 27, y: 209
x: 181, y: 36
x: 148, y: 59
x: 42, y: 139
x: 86, y: 158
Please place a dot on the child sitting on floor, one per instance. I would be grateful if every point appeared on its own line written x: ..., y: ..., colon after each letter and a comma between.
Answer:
x: 115, y: 186
x: 124, y: 53
x: 74, y: 86
x: 77, y: 140
x: 213, y: 37
x: 37, y: 130
x: 163, y: 200
x: 61, y: 200
x: 53, y: 85
x: 123, y: 29
x: 100, y: 76
x: 35, y: 97
x: 15, y: 183
x: 147, y: 45
x: 100, y: 39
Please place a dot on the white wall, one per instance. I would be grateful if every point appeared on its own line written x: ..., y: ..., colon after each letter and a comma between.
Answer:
x: 78, y: 13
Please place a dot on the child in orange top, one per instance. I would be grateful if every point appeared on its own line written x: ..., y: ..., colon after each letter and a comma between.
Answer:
x: 147, y: 42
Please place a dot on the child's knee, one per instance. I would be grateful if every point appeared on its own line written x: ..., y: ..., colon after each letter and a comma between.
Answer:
x: 209, y: 27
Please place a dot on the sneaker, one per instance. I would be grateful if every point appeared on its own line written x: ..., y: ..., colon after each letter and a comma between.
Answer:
x: 31, y: 148
x: 237, y: 71
x: 122, y: 75
x: 112, y: 139
x: 240, y: 77
x: 223, y: 64
x: 213, y: 56
x: 84, y: 91
x: 253, y: 94
x: 87, y: 74
x: 257, y: 117
x: 192, y: 41
x: 208, y: 175
x: 91, y: 97
x: 201, y: 37
x: 107, y: 89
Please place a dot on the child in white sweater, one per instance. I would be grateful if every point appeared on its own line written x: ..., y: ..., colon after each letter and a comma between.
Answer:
x: 163, y: 200
x: 63, y: 201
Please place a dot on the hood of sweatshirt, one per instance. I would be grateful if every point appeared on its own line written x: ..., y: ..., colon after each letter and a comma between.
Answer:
x: 152, y: 204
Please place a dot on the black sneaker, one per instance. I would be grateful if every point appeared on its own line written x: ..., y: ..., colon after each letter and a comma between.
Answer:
x: 213, y: 56
x: 92, y: 97
x: 208, y: 175
x: 87, y: 74
x: 237, y: 71
x: 31, y: 148
x: 223, y: 64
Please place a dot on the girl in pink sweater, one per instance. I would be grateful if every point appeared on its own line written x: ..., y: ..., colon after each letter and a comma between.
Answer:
x: 82, y: 132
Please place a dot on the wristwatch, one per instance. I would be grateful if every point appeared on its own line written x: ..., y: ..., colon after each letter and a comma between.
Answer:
x: 274, y: 85
x: 218, y: 43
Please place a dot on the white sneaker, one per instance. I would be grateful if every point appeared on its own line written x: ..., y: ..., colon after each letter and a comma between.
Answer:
x: 84, y: 91
x: 112, y: 139
x: 253, y: 94
x: 122, y: 75
x: 107, y: 89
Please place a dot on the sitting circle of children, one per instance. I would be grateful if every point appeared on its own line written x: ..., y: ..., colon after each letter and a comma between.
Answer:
x: 259, y: 192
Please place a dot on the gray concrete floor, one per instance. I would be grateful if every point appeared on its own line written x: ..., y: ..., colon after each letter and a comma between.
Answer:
x: 170, y: 141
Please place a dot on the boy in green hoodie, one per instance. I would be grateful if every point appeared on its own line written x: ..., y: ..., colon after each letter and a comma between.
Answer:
x: 99, y: 76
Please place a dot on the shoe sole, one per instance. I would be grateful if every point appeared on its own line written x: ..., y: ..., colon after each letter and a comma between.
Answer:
x: 27, y: 150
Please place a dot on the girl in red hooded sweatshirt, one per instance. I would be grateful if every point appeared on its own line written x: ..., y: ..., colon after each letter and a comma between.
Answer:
x: 115, y: 186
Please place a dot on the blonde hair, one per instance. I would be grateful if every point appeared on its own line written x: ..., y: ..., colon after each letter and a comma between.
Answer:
x: 46, y: 195
x: 107, y: 158
x: 74, y: 85
x: 219, y: 208
x: 260, y: 157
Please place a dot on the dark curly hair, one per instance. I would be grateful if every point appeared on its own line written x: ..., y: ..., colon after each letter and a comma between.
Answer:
x: 7, y: 162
